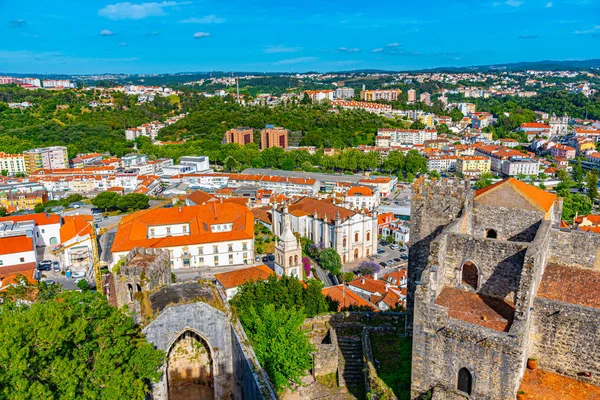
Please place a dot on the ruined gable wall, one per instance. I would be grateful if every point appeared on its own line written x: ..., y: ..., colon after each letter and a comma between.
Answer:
x: 578, y: 249
x: 519, y: 225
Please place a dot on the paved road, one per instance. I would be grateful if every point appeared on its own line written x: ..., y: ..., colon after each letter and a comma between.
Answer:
x: 299, y: 174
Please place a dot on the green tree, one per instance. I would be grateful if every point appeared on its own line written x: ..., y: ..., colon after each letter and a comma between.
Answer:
x: 287, y: 164
x: 39, y: 208
x: 456, y: 115
x: 592, y: 184
x: 279, y: 343
x: 258, y: 162
x: 330, y: 260
x: 83, y: 285
x: 96, y: 351
x: 417, y: 125
x: 4, y: 172
x: 133, y: 202
x: 3, y: 212
x: 106, y: 200
x: 434, y: 174
x: 484, y: 181
x: 577, y: 172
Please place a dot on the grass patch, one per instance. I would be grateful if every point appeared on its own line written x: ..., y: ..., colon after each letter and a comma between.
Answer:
x: 394, y: 354
x: 329, y: 380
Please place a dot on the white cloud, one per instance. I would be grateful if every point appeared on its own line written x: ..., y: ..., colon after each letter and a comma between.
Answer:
x: 513, y: 3
x: 106, y: 32
x: 377, y: 50
x: 296, y: 60
x: 200, y: 35
x: 275, y: 49
x: 207, y: 19
x: 594, y: 30
x: 129, y: 10
x: 123, y: 44
x: 393, y: 45
x: 346, y: 50
x: 549, y: 4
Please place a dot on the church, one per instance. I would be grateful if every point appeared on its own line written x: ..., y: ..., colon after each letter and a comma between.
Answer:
x: 353, y: 234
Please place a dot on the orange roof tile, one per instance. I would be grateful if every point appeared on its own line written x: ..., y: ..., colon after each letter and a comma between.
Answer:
x: 199, y: 197
x: 133, y: 231
x: 369, y: 284
x: 9, y: 276
x: 308, y: 206
x: 75, y: 225
x: 39, y: 219
x: 535, y: 195
x: 346, y: 297
x: 545, y: 385
x: 571, y: 285
x: 15, y: 244
x: 360, y: 190
x: 236, y: 278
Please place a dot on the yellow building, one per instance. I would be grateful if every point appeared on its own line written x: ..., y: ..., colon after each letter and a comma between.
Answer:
x: 427, y: 120
x: 472, y: 166
x: 22, y: 201
x: 374, y: 95
x: 13, y: 164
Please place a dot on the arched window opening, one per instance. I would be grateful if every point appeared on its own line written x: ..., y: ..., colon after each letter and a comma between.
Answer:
x: 491, y: 234
x: 290, y: 261
x: 465, y: 381
x: 190, y: 369
x: 368, y: 236
x: 355, y: 254
x: 130, y: 290
x: 295, y: 260
x: 470, y: 275
x: 138, y: 287
x: 344, y: 242
x: 356, y: 237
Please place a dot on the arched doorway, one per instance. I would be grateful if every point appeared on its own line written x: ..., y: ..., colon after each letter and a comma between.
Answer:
x: 470, y: 275
x: 190, y: 368
x: 355, y: 254
x: 465, y: 381
x: 53, y: 241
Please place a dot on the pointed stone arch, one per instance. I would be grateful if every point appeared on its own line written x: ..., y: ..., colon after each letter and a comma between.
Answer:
x: 469, y: 275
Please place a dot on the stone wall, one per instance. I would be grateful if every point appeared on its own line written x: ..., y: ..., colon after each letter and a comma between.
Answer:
x: 325, y: 357
x: 211, y: 325
x: 433, y: 206
x: 577, y: 249
x: 499, y: 264
x: 565, y: 339
x: 510, y: 223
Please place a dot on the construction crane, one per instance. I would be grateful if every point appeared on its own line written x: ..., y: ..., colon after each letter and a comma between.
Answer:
x: 94, y: 239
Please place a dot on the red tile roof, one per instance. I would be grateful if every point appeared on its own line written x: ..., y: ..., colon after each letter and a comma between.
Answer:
x: 133, y: 231
x: 360, y: 190
x: 8, y: 275
x: 369, y: 284
x: 545, y: 385
x: 308, y: 206
x: 535, y: 195
x: 75, y: 225
x: 346, y: 297
x: 236, y: 278
x: 15, y: 244
x: 39, y: 219
x: 571, y: 285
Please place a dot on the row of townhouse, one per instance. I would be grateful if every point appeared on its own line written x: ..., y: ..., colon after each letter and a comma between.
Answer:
x: 375, y: 108
x: 508, y: 162
x: 389, y: 137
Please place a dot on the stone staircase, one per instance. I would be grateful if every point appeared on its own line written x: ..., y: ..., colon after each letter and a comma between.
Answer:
x: 350, y: 361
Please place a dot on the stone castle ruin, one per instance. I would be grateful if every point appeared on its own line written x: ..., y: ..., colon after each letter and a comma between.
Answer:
x: 493, y: 281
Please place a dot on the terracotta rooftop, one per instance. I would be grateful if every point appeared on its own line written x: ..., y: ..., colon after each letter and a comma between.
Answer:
x: 545, y: 385
x: 370, y: 285
x: 534, y: 195
x: 571, y: 285
x: 346, y: 298
x: 236, y: 278
x: 9, y: 277
x: 477, y: 309
x: 39, y: 218
x: 15, y: 244
x: 199, y: 197
x: 308, y: 206
x: 75, y: 225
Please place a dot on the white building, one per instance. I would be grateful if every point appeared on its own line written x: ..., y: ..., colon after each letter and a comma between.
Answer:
x: 441, y: 163
x: 520, y: 165
x: 352, y: 234
x: 211, y: 235
x: 389, y: 137
x: 45, y: 228
x: 360, y: 198
x: 17, y: 249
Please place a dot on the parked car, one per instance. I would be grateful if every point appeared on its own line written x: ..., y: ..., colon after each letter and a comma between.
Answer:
x: 376, y: 256
x: 394, y: 246
x: 257, y: 258
x: 397, y: 259
x: 382, y: 242
x: 404, y: 256
x: 390, y: 262
x: 49, y: 282
x: 78, y: 274
x: 380, y: 251
x: 383, y: 264
x: 265, y: 259
x: 45, y: 266
x: 106, y: 217
x: 55, y: 266
x: 271, y: 257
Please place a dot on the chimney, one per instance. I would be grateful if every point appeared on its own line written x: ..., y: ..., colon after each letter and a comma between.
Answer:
x: 179, y: 208
x: 375, y: 276
x: 387, y: 286
x: 363, y: 281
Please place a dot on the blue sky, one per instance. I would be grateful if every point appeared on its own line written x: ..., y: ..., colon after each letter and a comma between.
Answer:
x: 92, y: 36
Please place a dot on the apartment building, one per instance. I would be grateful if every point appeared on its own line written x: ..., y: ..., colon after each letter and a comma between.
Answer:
x: 390, y: 137
x: 441, y: 163
x: 319, y: 95
x: 425, y: 98
x: 374, y: 95
x: 516, y: 165
x: 344, y: 93
x: 13, y: 164
x: 20, y: 201
x: 56, y: 157
x: 412, y: 96
x: 273, y: 137
x: 472, y: 166
x: 563, y: 151
x: 369, y: 107
x: 241, y: 136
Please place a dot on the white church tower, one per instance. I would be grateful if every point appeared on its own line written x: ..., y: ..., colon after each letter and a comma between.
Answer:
x: 288, y: 252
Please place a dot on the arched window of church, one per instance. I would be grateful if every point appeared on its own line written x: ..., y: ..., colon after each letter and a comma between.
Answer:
x: 356, y: 237
x: 344, y: 242
x: 465, y: 381
x: 368, y: 236
x: 491, y: 234
x: 290, y: 260
x: 130, y: 290
x: 295, y: 260
x: 470, y: 275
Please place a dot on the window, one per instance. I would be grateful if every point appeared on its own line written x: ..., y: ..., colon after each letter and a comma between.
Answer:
x: 130, y: 290
x: 216, y: 249
x: 491, y: 234
x: 470, y: 275
x: 22, y: 259
x: 244, y: 246
x: 230, y: 247
x: 216, y: 259
x: 43, y: 231
x: 368, y: 236
x: 245, y: 255
x: 151, y: 232
x: 231, y: 259
x: 344, y: 242
x: 290, y: 261
x: 200, y: 250
x: 201, y: 261
x: 356, y: 237
x: 185, y: 229
x: 465, y: 381
x: 168, y: 230
x: 1, y: 262
x: 296, y: 260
